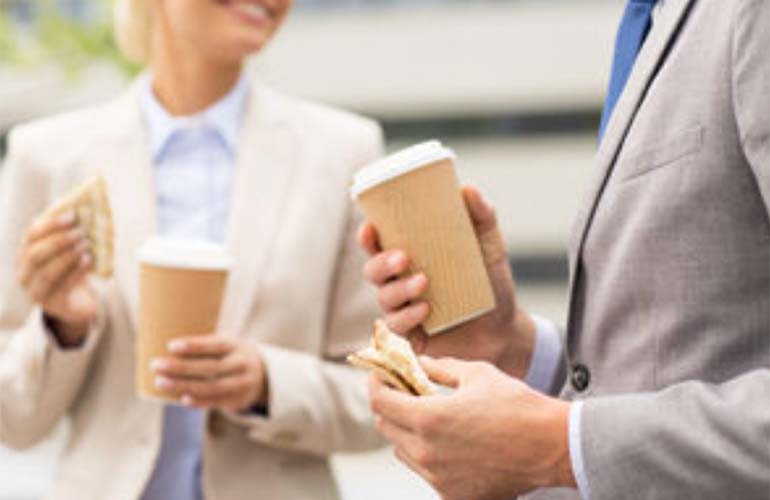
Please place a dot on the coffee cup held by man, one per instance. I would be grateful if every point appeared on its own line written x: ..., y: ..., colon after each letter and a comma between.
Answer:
x: 195, y: 149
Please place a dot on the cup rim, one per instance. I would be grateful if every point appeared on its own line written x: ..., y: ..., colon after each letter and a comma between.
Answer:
x: 185, y: 254
x: 399, y: 163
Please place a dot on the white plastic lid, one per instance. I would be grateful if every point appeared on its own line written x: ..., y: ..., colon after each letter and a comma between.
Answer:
x: 185, y: 254
x: 399, y: 163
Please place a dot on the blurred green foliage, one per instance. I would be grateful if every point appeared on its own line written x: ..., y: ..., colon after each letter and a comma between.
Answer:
x: 52, y: 36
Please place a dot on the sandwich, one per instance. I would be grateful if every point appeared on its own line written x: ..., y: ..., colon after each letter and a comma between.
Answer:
x: 393, y: 360
x: 91, y: 206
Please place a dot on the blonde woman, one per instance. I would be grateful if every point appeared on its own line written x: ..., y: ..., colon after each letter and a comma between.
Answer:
x: 193, y: 150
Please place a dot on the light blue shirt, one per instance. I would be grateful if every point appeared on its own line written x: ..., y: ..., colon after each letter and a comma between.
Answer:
x: 193, y: 161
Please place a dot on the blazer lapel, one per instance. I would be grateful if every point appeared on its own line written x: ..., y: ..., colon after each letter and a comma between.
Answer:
x: 265, y: 166
x: 650, y: 59
x: 128, y: 174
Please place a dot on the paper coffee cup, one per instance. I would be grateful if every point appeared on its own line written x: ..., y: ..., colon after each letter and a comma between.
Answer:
x: 413, y: 199
x: 180, y: 293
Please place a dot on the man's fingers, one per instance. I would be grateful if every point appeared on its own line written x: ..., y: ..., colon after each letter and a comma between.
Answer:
x: 394, y: 295
x: 408, y: 442
x: 203, y: 345
x: 385, y: 266
x: 408, y: 318
x: 42, y: 227
x: 197, y: 368
x: 368, y: 239
x: 444, y: 371
x: 395, y: 406
x: 410, y: 462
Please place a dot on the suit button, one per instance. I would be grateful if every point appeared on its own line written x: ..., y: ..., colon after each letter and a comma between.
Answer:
x: 580, y: 378
x: 285, y: 438
x: 216, y: 424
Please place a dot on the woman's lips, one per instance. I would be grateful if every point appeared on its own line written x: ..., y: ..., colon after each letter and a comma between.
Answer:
x: 250, y: 12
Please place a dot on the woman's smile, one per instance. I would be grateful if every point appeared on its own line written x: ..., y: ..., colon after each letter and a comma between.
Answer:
x: 251, y: 11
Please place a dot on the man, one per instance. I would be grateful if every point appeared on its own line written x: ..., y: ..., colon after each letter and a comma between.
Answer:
x: 664, y: 391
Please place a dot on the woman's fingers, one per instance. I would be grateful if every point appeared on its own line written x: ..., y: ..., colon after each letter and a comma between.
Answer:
x: 37, y: 254
x: 399, y: 293
x: 198, y: 368
x: 385, y: 266
x: 217, y: 388
x: 53, y: 274
x: 43, y: 227
x: 203, y: 345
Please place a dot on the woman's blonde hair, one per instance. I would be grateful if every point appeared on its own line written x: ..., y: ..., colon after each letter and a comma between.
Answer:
x: 133, y: 23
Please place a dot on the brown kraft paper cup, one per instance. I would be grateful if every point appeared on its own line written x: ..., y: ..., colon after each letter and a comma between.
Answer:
x: 181, y: 288
x: 413, y: 199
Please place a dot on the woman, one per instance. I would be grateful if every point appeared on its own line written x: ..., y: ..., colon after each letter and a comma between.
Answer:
x: 192, y: 150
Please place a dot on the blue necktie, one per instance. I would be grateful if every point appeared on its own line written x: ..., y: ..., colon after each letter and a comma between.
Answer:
x: 636, y: 22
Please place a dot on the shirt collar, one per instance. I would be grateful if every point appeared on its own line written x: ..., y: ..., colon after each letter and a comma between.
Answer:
x: 224, y: 117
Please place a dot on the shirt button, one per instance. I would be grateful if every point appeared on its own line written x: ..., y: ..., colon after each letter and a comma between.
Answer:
x: 580, y: 377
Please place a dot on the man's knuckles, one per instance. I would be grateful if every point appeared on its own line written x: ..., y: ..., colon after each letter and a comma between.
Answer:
x: 430, y: 424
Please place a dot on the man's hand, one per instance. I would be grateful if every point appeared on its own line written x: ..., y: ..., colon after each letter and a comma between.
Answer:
x: 213, y: 372
x: 504, y: 337
x: 493, y: 437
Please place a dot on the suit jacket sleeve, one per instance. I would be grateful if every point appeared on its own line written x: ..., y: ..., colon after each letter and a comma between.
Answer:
x: 38, y: 379
x: 697, y: 440
x: 320, y: 405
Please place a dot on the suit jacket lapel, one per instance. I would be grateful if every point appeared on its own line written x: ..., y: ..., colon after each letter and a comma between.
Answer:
x: 129, y: 177
x: 650, y: 59
x: 265, y: 165
x: 264, y: 168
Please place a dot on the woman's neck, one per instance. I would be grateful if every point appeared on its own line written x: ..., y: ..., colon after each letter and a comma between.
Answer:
x: 187, y: 83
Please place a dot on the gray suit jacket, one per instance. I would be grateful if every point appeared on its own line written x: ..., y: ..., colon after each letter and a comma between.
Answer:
x: 670, y: 268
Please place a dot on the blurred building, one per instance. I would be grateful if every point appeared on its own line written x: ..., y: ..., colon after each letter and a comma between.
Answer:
x: 514, y: 86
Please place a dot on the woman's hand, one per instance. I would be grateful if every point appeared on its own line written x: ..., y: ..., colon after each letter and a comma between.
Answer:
x: 504, y: 337
x: 212, y: 371
x: 53, y: 265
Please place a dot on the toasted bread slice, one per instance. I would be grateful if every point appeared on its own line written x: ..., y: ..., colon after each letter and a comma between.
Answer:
x: 392, y: 358
x: 369, y: 361
x: 91, y: 206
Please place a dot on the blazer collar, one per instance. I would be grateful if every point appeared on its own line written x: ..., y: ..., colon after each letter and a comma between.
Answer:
x: 650, y: 60
x: 265, y: 164
x: 224, y: 116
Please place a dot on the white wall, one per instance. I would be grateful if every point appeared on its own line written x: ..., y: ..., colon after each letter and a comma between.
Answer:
x: 529, y: 55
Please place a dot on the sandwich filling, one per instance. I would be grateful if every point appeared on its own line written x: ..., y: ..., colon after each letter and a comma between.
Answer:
x: 393, y: 359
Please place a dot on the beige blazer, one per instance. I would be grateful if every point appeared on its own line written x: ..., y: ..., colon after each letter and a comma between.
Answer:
x: 296, y: 289
x: 668, y: 340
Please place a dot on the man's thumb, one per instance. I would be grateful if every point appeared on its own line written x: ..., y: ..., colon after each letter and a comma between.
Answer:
x: 444, y: 371
x: 484, y: 220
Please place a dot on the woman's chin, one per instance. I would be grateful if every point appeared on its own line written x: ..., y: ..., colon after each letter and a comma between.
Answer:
x: 237, y: 51
x: 249, y: 46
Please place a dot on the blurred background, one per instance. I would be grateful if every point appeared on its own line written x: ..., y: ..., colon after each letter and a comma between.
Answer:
x: 514, y: 86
